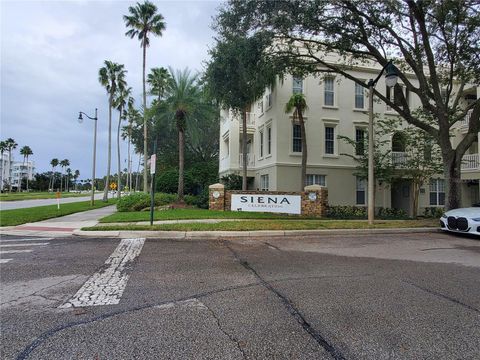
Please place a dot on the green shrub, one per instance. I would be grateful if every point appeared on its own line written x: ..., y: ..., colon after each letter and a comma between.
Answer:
x: 347, y: 212
x: 392, y: 214
x: 433, y: 212
x: 232, y: 182
x: 202, y: 200
x: 139, y: 201
x: 190, y: 199
x: 133, y: 202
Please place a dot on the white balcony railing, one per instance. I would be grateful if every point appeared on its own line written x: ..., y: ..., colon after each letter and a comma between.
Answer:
x: 399, y: 158
x: 250, y: 160
x: 470, y: 162
x: 466, y: 120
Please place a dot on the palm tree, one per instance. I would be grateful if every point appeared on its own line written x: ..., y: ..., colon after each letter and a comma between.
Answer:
x: 76, y: 174
x: 64, y: 163
x: 298, y: 104
x: 112, y: 77
x: 69, y: 175
x: 11, y: 145
x: 143, y: 21
x: 183, y: 100
x: 158, y: 80
x: 54, y: 162
x: 132, y: 114
x: 3, y: 148
x: 26, y: 151
x: 120, y: 102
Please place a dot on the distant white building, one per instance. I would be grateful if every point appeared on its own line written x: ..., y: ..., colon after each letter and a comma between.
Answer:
x: 4, y: 171
x: 16, y: 170
x: 21, y: 170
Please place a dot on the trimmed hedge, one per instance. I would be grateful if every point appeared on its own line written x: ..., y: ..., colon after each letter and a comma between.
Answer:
x: 360, y: 212
x: 139, y: 201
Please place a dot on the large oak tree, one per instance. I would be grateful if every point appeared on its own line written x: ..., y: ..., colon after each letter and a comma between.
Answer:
x: 436, y: 41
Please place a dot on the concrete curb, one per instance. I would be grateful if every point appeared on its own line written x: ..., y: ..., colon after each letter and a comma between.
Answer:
x: 259, y: 233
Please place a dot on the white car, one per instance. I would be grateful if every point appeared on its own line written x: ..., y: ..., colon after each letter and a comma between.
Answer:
x: 463, y: 220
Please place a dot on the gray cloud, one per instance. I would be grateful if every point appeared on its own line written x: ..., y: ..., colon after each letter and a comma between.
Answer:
x: 50, y: 55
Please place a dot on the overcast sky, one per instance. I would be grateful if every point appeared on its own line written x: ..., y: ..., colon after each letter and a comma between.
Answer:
x: 50, y: 55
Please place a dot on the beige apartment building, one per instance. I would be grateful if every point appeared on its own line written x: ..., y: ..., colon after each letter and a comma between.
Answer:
x: 336, y: 106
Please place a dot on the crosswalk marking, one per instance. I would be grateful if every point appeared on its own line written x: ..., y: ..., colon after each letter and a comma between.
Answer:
x: 106, y: 286
x: 4, y: 261
x: 14, y: 251
x: 23, y: 245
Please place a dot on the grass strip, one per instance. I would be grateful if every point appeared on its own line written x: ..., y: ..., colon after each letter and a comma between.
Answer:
x: 33, y: 214
x: 272, y: 225
x: 188, y: 214
x: 36, y: 196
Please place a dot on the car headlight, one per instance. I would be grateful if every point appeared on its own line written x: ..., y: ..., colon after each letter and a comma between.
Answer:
x: 476, y: 219
x: 444, y: 216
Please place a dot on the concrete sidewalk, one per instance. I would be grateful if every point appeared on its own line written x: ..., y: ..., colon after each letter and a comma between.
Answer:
x: 60, y: 226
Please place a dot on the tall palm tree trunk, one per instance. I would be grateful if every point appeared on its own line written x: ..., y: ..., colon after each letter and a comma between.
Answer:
x: 244, y: 149
x: 304, y: 148
x: 109, y: 159
x: 119, y: 175
x: 28, y: 173
x: 181, y: 162
x: 129, y: 167
x: 138, y: 172
x: 10, y: 170
x: 145, y: 143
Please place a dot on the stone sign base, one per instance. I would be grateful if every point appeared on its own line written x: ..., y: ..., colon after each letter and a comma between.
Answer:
x: 314, y: 200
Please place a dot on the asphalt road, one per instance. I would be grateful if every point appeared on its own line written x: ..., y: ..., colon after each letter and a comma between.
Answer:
x: 328, y: 297
x: 22, y: 204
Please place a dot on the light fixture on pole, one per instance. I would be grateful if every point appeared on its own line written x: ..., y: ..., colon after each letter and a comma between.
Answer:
x: 80, y: 120
x: 391, y: 77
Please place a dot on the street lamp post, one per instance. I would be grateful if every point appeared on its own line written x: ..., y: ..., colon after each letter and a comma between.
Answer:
x: 391, y: 77
x: 80, y: 120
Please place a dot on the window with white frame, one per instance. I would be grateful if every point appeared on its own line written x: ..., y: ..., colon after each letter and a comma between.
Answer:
x: 269, y: 139
x: 314, y: 179
x: 359, y: 141
x: 359, y: 96
x: 261, y: 143
x: 264, y: 182
x: 269, y: 98
x: 437, y: 192
x: 297, y: 86
x: 361, y: 192
x: 329, y: 140
x: 329, y: 91
x: 260, y: 106
x: 296, y: 138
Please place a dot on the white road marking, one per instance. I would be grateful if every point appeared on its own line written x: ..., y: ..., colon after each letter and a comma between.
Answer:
x: 195, y: 303
x: 4, y: 261
x: 25, y: 239
x: 18, y: 245
x: 14, y: 251
x: 106, y: 286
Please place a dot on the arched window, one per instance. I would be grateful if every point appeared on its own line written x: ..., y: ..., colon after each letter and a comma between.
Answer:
x: 398, y: 142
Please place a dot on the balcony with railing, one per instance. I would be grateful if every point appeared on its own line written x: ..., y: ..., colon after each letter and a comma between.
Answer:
x: 251, y: 117
x: 399, y: 158
x: 470, y: 162
x: 250, y: 160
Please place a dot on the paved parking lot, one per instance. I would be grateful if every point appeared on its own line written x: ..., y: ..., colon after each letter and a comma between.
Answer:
x: 343, y: 297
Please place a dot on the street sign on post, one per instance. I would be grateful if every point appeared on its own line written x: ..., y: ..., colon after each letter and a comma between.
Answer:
x: 153, y: 162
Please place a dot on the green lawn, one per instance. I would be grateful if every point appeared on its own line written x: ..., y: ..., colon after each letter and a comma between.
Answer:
x: 182, y: 214
x: 36, y: 195
x: 27, y: 215
x: 279, y: 224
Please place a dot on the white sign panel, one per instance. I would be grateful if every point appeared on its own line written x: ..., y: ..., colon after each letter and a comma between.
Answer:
x: 153, y: 163
x: 289, y: 204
